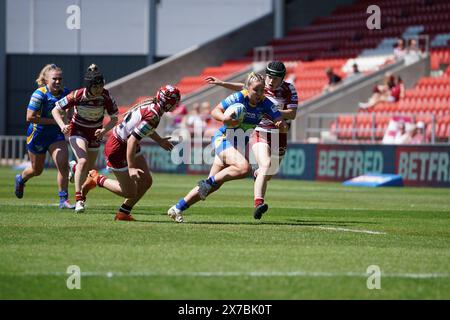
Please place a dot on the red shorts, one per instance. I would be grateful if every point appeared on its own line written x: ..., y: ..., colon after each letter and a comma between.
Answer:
x: 116, y: 153
x: 268, y: 137
x: 86, y: 133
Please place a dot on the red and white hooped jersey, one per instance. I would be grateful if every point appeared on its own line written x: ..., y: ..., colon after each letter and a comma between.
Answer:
x: 89, y: 111
x: 284, y: 97
x: 141, y: 121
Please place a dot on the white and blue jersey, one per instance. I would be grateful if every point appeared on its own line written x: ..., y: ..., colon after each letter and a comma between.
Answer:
x: 39, y: 136
x: 253, y: 116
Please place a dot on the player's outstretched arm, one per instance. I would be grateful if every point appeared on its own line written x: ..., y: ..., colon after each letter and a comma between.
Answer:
x: 111, y: 124
x: 57, y: 115
x: 100, y: 133
x: 163, y: 142
x: 281, y: 125
x: 235, y: 86
x: 289, y: 114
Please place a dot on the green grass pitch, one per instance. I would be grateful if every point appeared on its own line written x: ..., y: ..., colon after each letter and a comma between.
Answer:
x: 316, y: 242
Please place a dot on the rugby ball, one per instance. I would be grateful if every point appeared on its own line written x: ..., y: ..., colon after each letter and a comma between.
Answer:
x: 238, y: 111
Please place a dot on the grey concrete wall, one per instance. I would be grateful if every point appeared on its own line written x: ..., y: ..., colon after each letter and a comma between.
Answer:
x: 22, y: 70
x: 345, y: 99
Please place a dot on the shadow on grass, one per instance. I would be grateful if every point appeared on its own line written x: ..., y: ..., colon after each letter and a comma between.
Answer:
x: 251, y: 222
x: 294, y: 223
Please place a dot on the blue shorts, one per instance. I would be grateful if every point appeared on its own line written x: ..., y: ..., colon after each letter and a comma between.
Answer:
x: 221, y: 143
x: 39, y: 142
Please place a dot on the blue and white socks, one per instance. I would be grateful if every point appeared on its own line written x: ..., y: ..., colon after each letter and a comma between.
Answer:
x: 63, y: 196
x: 182, y: 205
x: 211, y: 181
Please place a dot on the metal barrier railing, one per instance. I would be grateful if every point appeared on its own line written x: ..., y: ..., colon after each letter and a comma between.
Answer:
x: 12, y: 150
x: 320, y: 124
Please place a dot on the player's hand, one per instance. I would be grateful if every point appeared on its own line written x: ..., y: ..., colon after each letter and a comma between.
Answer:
x: 166, y: 144
x: 135, y: 173
x: 66, y: 129
x: 229, y: 121
x: 229, y: 117
x: 99, y: 133
x: 213, y: 80
x: 282, y: 126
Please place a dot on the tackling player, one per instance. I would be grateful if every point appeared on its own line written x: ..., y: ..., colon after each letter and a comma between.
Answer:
x: 122, y: 150
x: 229, y: 162
x: 284, y: 95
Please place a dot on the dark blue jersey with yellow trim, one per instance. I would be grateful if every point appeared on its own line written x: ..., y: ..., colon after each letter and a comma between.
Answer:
x: 253, y: 114
x: 43, y: 101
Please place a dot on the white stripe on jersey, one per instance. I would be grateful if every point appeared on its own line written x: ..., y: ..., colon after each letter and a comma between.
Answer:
x: 132, y: 120
x: 284, y: 97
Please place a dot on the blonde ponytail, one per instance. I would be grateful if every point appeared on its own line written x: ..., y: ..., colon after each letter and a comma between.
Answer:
x: 41, y: 78
x: 139, y: 104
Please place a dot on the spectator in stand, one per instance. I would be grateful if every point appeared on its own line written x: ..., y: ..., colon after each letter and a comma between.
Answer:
x: 392, y: 90
x: 403, y: 136
x: 355, y: 73
x: 413, y: 52
x: 418, y: 133
x: 356, y: 69
x: 397, y: 91
x: 193, y: 119
x: 205, y: 112
x: 333, y: 80
x: 176, y: 117
x: 400, y: 49
x: 209, y: 123
x: 413, y: 47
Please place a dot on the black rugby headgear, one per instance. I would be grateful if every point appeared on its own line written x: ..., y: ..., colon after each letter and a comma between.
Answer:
x: 276, y: 69
x: 93, y: 76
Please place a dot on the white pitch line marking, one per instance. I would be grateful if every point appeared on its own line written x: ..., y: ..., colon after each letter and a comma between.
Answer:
x: 348, y: 230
